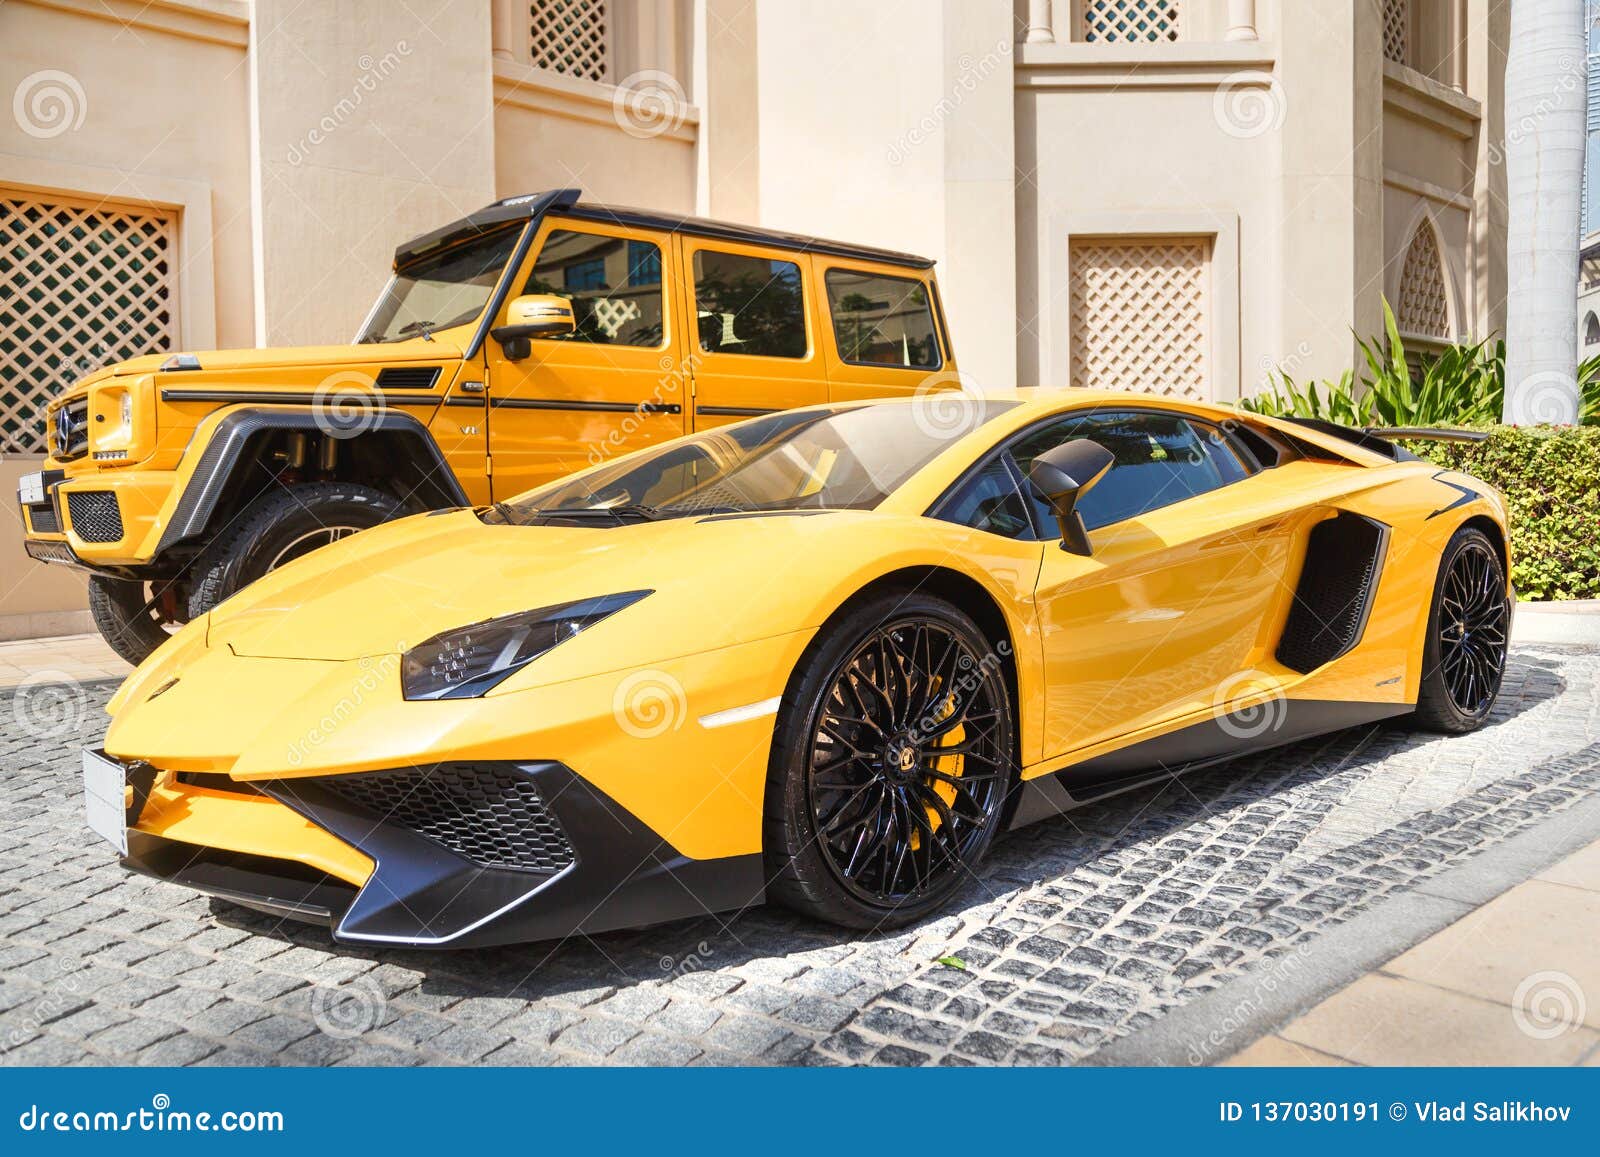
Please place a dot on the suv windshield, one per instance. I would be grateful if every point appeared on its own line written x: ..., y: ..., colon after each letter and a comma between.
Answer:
x: 441, y: 289
x: 840, y: 459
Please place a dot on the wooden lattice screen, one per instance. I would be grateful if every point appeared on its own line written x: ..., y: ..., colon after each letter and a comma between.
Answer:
x: 571, y: 37
x: 1121, y: 21
x: 1424, y: 306
x: 82, y: 284
x: 1140, y: 315
x: 1397, y: 30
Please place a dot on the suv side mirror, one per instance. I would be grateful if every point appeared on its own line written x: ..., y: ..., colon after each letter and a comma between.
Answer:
x: 533, y: 315
x: 1062, y: 476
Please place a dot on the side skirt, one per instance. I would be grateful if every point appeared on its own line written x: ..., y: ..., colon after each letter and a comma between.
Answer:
x: 1168, y: 756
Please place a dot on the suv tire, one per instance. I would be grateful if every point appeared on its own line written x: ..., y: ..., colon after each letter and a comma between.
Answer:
x: 127, y: 621
x: 279, y: 528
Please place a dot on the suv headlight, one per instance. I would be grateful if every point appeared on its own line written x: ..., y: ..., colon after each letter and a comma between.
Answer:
x: 466, y: 662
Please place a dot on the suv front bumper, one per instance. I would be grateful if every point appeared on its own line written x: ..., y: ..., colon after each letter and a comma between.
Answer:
x: 96, y: 520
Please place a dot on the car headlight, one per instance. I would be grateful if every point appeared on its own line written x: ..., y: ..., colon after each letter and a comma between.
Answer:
x: 466, y: 662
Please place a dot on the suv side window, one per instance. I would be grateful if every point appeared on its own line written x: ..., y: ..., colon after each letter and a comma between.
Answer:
x: 1159, y: 459
x: 882, y: 321
x: 614, y: 284
x: 749, y: 305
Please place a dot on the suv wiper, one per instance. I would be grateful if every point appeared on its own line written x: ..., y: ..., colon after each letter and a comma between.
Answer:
x: 425, y: 328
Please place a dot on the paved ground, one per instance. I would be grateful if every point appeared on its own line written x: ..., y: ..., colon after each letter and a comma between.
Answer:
x: 1079, y: 932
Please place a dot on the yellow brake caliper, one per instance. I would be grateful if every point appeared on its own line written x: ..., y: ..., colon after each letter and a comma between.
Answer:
x: 950, y: 765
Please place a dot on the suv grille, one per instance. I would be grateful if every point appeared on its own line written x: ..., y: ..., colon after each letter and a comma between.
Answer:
x: 42, y: 518
x: 95, y: 515
x: 69, y: 429
x: 488, y: 813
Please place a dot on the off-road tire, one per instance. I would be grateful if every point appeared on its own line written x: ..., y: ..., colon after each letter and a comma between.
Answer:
x: 256, y: 541
x: 1439, y: 706
x: 124, y: 617
x: 798, y: 874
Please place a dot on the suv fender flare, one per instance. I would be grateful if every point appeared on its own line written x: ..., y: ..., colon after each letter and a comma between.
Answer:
x: 230, y: 441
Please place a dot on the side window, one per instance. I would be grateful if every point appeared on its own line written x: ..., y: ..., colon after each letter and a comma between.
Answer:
x: 990, y: 500
x: 1159, y: 459
x: 749, y: 305
x: 614, y: 285
x: 882, y: 321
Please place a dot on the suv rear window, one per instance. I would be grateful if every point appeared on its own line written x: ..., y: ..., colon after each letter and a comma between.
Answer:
x: 882, y: 321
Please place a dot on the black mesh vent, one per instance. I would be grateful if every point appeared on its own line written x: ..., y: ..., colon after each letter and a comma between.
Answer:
x: 42, y: 518
x: 1343, y: 558
x: 488, y: 813
x: 408, y: 377
x: 95, y: 515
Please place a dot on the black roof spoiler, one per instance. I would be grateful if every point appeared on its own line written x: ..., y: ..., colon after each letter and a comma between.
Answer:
x: 487, y: 218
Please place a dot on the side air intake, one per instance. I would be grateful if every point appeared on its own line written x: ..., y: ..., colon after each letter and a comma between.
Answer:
x: 1343, y: 559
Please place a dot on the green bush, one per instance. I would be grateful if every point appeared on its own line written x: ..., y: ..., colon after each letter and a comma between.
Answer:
x: 1550, y: 476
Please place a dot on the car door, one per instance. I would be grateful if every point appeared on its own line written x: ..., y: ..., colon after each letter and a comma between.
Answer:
x: 1175, y: 611
x: 754, y: 350
x: 613, y: 385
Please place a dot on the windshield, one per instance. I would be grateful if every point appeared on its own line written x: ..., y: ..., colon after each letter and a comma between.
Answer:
x: 842, y: 459
x: 441, y: 289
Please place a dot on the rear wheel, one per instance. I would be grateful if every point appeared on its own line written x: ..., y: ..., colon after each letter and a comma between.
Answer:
x: 133, y: 617
x: 890, y: 766
x: 280, y: 528
x: 1464, y: 656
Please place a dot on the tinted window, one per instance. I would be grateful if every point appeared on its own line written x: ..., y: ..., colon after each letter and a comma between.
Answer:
x: 990, y: 500
x: 614, y: 285
x: 882, y: 321
x: 1159, y: 459
x: 749, y: 305
x: 442, y: 289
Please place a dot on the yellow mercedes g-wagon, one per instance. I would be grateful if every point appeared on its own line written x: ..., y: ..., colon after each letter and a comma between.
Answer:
x: 536, y: 336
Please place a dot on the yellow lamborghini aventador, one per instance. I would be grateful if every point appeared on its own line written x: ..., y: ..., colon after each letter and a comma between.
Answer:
x: 822, y: 657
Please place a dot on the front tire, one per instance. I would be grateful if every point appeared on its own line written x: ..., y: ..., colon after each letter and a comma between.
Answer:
x: 280, y: 528
x: 128, y: 616
x: 1464, y: 655
x: 891, y: 762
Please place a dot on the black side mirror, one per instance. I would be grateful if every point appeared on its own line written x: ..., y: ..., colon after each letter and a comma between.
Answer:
x: 1062, y: 476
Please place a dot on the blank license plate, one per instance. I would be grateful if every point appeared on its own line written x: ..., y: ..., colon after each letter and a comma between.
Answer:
x: 30, y: 489
x: 104, y: 798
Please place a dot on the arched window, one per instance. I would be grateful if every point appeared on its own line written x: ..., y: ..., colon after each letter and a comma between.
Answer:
x: 1424, y: 305
x: 1591, y: 329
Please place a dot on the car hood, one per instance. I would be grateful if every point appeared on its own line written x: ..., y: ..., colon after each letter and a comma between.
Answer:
x: 716, y: 581
x: 332, y: 356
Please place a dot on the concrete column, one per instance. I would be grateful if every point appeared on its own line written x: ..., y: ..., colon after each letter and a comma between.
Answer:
x: 1241, y: 20
x: 503, y: 29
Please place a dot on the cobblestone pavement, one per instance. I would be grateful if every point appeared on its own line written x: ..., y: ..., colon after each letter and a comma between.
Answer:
x: 1078, y: 931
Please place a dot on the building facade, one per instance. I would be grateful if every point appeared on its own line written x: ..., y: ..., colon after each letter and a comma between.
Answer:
x: 1174, y: 196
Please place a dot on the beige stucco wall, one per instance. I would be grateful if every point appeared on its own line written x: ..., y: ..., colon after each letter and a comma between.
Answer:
x: 374, y: 124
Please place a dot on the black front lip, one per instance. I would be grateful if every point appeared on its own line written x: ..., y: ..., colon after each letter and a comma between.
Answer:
x: 422, y: 894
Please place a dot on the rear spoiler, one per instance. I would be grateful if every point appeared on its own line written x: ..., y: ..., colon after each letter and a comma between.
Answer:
x: 1380, y: 439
